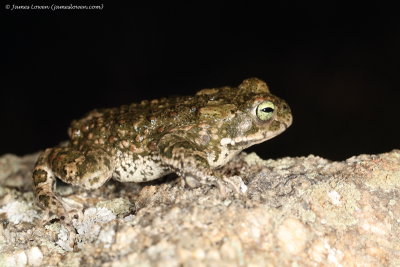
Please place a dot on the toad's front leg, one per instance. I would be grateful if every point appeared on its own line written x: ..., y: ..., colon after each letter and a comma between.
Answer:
x: 189, y: 160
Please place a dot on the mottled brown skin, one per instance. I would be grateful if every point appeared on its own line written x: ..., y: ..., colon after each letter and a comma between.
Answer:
x: 191, y: 135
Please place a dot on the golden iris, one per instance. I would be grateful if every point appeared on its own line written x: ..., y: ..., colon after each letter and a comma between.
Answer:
x: 265, y: 110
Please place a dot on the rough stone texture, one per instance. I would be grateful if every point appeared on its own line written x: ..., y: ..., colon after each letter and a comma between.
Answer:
x: 304, y: 211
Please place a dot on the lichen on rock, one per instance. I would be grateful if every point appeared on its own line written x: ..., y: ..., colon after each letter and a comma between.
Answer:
x: 305, y: 211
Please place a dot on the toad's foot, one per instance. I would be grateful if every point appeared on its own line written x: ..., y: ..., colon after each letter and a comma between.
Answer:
x: 66, y: 215
x: 59, y: 210
x: 190, y: 161
x: 226, y: 185
x: 232, y: 184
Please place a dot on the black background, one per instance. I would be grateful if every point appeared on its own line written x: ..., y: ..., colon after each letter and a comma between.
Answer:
x: 336, y: 65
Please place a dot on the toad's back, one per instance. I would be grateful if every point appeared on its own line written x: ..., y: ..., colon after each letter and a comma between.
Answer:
x: 137, y: 127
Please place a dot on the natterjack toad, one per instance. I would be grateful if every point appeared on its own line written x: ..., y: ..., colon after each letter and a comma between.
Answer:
x: 191, y: 135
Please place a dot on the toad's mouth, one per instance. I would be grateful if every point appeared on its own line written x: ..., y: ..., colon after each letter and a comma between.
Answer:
x: 243, y: 142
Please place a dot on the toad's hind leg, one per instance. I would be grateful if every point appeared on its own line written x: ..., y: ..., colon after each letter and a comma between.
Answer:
x: 89, y: 169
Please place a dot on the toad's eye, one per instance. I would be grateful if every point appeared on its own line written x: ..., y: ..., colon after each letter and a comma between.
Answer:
x: 265, y: 110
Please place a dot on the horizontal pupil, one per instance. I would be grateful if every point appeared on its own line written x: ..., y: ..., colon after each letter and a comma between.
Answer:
x: 269, y: 110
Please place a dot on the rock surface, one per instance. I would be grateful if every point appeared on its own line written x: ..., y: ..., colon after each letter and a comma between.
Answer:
x: 304, y: 211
